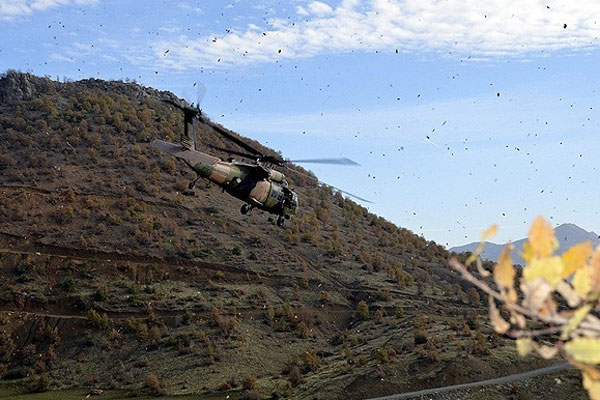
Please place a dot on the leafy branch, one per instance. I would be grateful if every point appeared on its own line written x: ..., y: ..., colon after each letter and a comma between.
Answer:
x: 550, y: 308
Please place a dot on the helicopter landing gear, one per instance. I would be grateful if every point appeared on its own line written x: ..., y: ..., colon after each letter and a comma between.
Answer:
x: 280, y: 220
x: 192, y: 184
x: 190, y: 187
x: 246, y: 209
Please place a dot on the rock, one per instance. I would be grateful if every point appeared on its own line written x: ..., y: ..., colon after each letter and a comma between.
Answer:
x: 15, y: 86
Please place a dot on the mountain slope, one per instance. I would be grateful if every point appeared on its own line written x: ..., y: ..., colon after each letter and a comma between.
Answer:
x: 567, y: 235
x: 111, y: 278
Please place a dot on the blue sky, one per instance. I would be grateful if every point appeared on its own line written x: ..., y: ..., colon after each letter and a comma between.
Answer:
x: 462, y: 113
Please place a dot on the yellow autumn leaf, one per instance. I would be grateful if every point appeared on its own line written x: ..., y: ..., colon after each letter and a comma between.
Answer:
x: 595, y: 270
x: 590, y: 370
x: 499, y: 324
x: 576, y: 257
x: 527, y: 253
x: 547, y: 268
x: 504, y: 272
x: 474, y: 255
x: 575, y: 320
x: 542, y: 240
x: 591, y: 380
x: 582, y: 281
x: 491, y: 231
x: 524, y: 346
x: 592, y: 386
x: 546, y: 352
x: 585, y: 350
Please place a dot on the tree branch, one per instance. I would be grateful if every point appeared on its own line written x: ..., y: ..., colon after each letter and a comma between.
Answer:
x: 551, y: 320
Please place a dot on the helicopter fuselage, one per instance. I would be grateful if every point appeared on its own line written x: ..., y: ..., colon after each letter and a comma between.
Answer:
x: 258, y: 186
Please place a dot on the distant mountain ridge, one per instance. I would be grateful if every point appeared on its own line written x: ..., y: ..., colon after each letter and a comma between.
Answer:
x: 567, y: 235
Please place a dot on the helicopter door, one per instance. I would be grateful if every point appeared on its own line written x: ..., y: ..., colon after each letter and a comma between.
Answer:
x: 260, y: 193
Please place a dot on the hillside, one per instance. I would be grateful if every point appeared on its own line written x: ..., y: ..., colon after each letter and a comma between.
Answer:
x: 567, y: 235
x: 111, y: 278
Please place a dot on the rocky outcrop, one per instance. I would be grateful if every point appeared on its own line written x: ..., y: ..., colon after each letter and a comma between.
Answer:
x: 16, y: 86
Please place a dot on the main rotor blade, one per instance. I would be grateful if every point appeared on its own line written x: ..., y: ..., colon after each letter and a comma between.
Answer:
x: 237, y: 153
x: 236, y: 140
x: 348, y: 193
x: 182, y: 105
x: 173, y: 103
x: 336, y: 161
x: 327, y: 184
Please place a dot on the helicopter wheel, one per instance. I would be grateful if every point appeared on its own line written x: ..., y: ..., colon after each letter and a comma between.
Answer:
x: 245, y: 209
x: 280, y: 220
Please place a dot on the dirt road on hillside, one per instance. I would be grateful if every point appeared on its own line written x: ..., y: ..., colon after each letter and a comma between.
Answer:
x: 487, y: 382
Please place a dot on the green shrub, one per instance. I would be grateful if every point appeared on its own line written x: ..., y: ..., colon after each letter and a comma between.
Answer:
x: 63, y: 215
x: 420, y: 336
x: 113, y: 219
x: 249, y: 382
x: 379, y: 314
x: 98, y: 320
x: 363, y: 310
x: 99, y: 294
x: 295, y: 376
x: 302, y: 330
x: 40, y: 384
x: 400, y: 311
x: 311, y: 360
x: 155, y: 385
x: 382, y: 355
x: 67, y: 284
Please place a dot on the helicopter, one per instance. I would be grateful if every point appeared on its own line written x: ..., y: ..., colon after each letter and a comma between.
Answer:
x: 256, y: 183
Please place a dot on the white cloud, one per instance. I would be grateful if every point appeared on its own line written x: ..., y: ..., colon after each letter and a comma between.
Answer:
x: 185, y: 6
x: 61, y: 58
x: 301, y: 11
x: 10, y: 9
x: 464, y: 27
x: 319, y: 8
x: 170, y: 29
